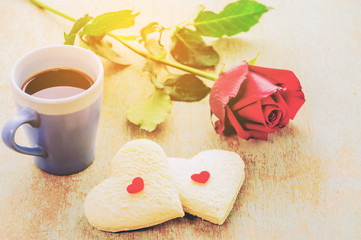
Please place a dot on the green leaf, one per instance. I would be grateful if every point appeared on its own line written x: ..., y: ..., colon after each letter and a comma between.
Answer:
x: 186, y: 88
x: 108, y: 22
x: 78, y: 25
x: 236, y: 17
x: 104, y: 49
x: 190, y: 49
x: 151, y: 112
x: 253, y: 60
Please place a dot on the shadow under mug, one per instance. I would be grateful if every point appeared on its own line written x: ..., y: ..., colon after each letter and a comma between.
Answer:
x: 62, y: 131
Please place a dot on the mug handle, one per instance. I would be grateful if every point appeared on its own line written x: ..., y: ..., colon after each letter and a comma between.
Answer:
x: 24, y: 116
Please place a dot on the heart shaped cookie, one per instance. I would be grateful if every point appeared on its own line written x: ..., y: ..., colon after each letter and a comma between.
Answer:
x: 139, y: 192
x: 208, y: 183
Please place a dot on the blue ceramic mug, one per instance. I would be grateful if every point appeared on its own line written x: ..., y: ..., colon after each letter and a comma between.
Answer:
x: 62, y: 131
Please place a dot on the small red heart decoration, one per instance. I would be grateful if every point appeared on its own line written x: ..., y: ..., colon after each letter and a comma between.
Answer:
x: 201, y: 177
x: 136, y: 186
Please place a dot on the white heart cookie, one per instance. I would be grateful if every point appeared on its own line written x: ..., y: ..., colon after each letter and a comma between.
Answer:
x: 214, y: 199
x: 110, y: 207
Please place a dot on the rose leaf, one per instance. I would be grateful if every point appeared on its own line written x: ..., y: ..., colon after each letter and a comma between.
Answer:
x: 104, y: 49
x: 108, y: 22
x: 150, y: 28
x: 151, y: 112
x: 236, y: 17
x: 154, y: 48
x: 186, y: 88
x: 156, y: 71
x: 189, y: 49
x: 78, y: 25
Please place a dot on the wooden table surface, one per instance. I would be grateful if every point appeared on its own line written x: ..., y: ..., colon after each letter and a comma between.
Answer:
x: 304, y: 183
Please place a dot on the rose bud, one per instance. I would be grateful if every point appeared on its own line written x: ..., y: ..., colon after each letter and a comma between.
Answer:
x: 254, y: 101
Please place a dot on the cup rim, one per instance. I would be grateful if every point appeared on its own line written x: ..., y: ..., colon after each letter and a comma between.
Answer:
x: 38, y: 100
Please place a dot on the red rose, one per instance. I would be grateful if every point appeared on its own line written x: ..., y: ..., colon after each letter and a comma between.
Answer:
x: 254, y: 101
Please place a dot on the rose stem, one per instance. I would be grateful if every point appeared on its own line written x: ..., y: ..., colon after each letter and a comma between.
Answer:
x: 139, y: 52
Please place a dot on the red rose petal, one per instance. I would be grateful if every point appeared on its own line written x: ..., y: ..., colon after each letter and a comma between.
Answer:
x: 283, y: 105
x: 136, y: 186
x: 260, y: 128
x: 283, y: 78
x: 241, y: 131
x: 273, y: 112
x: 269, y: 101
x: 277, y: 97
x: 219, y: 127
x: 256, y: 87
x: 294, y: 101
x: 252, y: 112
x: 236, y: 125
x: 272, y: 115
x: 201, y: 177
x: 258, y: 135
x: 226, y: 87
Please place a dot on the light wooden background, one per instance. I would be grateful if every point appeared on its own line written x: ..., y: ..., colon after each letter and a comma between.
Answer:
x: 304, y: 183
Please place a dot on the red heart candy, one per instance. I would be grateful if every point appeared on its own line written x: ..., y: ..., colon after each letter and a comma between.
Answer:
x: 201, y: 177
x: 136, y: 186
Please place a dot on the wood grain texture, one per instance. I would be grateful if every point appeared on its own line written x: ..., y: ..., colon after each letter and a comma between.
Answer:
x: 304, y: 183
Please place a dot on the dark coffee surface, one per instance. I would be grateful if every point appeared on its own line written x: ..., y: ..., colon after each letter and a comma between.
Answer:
x: 57, y: 83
